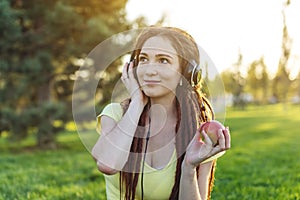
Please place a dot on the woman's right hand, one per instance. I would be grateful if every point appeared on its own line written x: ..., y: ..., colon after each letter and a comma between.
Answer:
x: 132, y: 84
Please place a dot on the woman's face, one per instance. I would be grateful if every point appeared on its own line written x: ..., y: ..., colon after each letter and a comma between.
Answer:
x: 158, y: 70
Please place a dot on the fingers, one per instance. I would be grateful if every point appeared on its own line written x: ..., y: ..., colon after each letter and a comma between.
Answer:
x: 197, y: 136
x: 202, y: 148
x: 125, y: 71
x: 196, y: 139
x: 224, y: 139
x: 205, y: 149
x: 226, y: 133
x: 221, y: 139
x: 207, y: 138
x: 130, y: 70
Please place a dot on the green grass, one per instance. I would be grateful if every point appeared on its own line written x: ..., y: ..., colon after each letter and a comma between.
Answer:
x: 263, y: 163
x: 66, y: 173
x: 264, y: 160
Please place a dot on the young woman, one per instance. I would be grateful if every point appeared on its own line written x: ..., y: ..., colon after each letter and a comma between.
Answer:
x: 150, y: 145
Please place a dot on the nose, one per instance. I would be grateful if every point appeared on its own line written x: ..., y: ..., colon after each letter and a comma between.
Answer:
x: 151, y: 70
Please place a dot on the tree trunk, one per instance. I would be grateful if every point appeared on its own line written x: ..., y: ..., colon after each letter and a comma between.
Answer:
x: 46, y: 134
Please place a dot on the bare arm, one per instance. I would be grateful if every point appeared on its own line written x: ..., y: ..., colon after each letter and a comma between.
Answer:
x: 112, y: 148
x: 191, y: 186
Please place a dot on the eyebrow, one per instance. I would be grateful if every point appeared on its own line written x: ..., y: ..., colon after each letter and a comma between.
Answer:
x: 158, y: 55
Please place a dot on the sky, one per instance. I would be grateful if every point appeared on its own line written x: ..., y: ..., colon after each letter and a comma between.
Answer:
x: 223, y: 28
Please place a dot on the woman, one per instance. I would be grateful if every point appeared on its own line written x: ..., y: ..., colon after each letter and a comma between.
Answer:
x: 150, y: 145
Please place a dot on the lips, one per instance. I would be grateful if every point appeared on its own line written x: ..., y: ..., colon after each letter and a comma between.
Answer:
x: 149, y: 82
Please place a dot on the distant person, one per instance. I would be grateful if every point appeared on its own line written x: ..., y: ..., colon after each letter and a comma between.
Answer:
x: 150, y: 145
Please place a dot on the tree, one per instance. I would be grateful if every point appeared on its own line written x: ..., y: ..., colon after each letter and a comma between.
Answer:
x: 10, y: 33
x: 297, y: 80
x: 257, y: 81
x: 295, y: 89
x: 282, y: 82
x: 40, y: 43
x: 234, y: 83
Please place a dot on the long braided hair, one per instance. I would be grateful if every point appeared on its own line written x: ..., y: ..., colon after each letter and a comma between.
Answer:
x: 193, y: 108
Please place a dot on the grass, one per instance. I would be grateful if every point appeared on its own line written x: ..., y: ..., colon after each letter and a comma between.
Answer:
x: 265, y: 157
x: 66, y: 173
x: 263, y: 162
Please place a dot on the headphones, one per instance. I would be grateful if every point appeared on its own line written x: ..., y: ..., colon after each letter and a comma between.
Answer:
x: 194, y: 71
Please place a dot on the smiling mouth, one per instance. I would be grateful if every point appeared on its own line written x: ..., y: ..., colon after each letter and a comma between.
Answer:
x: 149, y: 82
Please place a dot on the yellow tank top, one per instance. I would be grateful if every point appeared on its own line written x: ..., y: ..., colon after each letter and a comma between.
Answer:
x: 158, y: 184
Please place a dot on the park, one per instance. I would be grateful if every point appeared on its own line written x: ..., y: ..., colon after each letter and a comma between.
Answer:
x: 42, y: 155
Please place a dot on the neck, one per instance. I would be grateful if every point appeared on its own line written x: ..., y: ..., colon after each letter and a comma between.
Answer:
x: 163, y: 119
x: 162, y: 108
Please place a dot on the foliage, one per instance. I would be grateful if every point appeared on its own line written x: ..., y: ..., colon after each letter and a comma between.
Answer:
x: 256, y: 86
x: 257, y: 81
x: 282, y: 82
x: 42, y: 44
x: 235, y: 83
x: 39, y: 42
x: 296, y: 85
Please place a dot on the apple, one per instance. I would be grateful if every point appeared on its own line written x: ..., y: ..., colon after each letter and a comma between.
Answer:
x: 211, y: 129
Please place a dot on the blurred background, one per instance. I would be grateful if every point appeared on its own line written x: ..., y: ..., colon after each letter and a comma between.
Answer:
x: 255, y: 46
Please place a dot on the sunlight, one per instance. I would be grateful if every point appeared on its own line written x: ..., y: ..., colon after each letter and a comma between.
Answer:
x: 223, y: 28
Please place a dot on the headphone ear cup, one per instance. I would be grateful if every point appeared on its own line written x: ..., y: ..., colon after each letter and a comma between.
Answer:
x: 197, y: 75
x: 193, y: 72
x: 188, y: 73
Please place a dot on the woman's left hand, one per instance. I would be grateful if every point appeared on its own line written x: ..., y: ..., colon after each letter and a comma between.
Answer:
x: 200, y: 150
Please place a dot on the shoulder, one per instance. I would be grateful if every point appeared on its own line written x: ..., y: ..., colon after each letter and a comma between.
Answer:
x: 112, y: 110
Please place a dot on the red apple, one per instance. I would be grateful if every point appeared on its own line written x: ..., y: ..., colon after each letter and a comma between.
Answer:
x: 211, y: 129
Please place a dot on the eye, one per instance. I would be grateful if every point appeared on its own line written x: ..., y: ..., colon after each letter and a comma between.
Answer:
x: 143, y: 59
x: 164, y: 61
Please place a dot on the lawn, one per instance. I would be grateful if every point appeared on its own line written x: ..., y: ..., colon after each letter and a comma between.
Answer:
x: 66, y: 173
x: 265, y: 157
x: 263, y: 163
